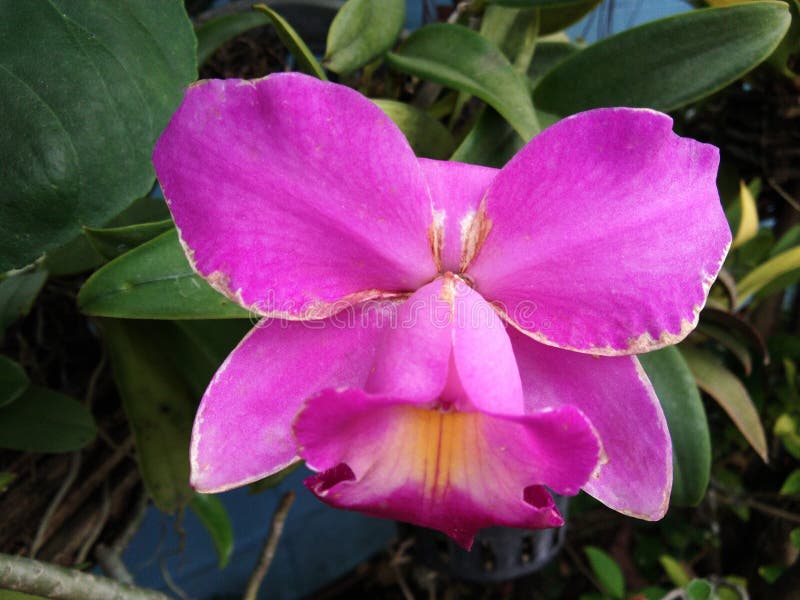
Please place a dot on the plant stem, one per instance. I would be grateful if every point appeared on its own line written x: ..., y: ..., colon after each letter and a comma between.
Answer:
x: 31, y: 576
x: 268, y: 552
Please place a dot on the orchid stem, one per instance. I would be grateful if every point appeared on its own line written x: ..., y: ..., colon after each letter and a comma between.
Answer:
x: 31, y: 576
x: 270, y: 546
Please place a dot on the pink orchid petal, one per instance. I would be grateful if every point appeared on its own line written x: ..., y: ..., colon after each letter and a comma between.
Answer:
x: 447, y: 323
x: 616, y: 396
x: 242, y: 431
x: 291, y: 194
x: 457, y: 190
x: 606, y: 232
x: 455, y: 472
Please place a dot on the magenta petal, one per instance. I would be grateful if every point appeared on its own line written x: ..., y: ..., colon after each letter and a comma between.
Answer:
x: 606, y: 232
x: 242, y: 431
x: 456, y: 472
x: 616, y: 396
x: 457, y: 190
x: 448, y: 336
x: 291, y: 193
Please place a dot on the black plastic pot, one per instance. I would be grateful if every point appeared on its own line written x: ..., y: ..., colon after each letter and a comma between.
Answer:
x: 498, y: 554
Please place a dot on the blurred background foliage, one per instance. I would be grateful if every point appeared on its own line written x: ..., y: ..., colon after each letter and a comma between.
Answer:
x: 109, y: 338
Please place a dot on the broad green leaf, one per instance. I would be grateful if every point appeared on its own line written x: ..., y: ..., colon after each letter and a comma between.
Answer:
x: 557, y: 18
x: 459, y: 58
x: 607, y: 571
x: 748, y: 219
x: 491, y: 142
x: 668, y: 63
x: 215, y: 32
x: 729, y: 392
x: 294, y: 43
x: 362, y: 31
x: 17, y: 294
x: 79, y: 256
x: 13, y: 381
x: 212, y: 514
x: 547, y: 56
x: 114, y: 241
x: 534, y: 3
x: 699, y: 589
x: 674, y: 570
x: 43, y: 420
x: 427, y: 136
x: 790, y: 43
x: 76, y: 256
x: 791, y: 486
x: 768, y: 272
x: 154, y: 281
x: 201, y: 346
x: 159, y: 405
x: 688, y: 426
x: 85, y: 90
x: 514, y: 31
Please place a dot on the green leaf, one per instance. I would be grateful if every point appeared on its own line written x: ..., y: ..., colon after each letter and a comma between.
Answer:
x: 691, y: 443
x: 200, y: 347
x: 159, y: 405
x: 17, y: 294
x: 548, y: 55
x: 731, y: 342
x: 534, y: 3
x: 154, y: 281
x: 674, y: 570
x: 607, y: 571
x: 514, y: 31
x: 427, y: 136
x: 771, y: 573
x: 788, y: 240
x: 785, y: 429
x: 76, y: 256
x: 722, y: 385
x: 6, y: 479
x: 557, y: 18
x: 273, y: 480
x: 459, y: 58
x: 294, y: 43
x: 768, y: 272
x: 794, y: 537
x: 491, y: 142
x: 215, y: 32
x: 43, y: 420
x: 791, y: 486
x: 748, y: 219
x: 668, y: 63
x: 114, y: 241
x: 215, y: 519
x: 699, y: 589
x: 85, y: 90
x: 13, y: 381
x: 790, y: 44
x: 362, y: 31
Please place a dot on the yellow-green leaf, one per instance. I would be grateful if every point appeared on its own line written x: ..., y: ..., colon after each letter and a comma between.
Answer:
x: 766, y: 273
x: 748, y: 220
x: 723, y: 386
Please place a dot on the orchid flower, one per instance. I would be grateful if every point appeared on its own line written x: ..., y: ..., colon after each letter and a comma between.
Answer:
x: 441, y: 342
